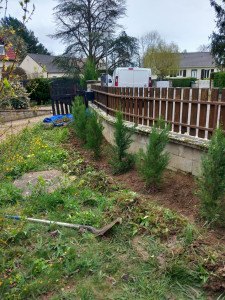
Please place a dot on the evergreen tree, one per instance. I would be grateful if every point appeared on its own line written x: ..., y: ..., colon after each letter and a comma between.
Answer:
x: 120, y: 160
x: 79, y: 118
x: 89, y: 72
x: 152, y: 164
x: 30, y: 43
x: 94, y: 134
x: 212, y: 179
x: 218, y: 38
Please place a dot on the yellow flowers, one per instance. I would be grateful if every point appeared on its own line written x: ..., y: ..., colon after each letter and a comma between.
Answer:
x: 12, y: 31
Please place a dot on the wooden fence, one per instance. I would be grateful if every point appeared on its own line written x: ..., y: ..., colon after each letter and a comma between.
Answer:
x: 196, y: 112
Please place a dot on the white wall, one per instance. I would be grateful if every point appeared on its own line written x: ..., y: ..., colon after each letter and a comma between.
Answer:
x: 32, y: 68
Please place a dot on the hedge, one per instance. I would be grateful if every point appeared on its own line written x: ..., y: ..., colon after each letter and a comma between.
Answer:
x: 182, y: 82
x: 39, y: 90
x: 219, y: 80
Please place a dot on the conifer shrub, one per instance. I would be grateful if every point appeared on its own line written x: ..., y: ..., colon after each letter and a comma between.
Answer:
x: 152, y: 163
x: 120, y: 160
x: 212, y: 179
x: 79, y: 118
x: 94, y: 135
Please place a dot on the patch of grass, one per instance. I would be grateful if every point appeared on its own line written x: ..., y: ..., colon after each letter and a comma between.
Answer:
x: 151, y: 255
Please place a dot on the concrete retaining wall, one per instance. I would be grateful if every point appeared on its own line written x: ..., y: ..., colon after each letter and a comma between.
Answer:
x: 13, y: 115
x: 185, y: 151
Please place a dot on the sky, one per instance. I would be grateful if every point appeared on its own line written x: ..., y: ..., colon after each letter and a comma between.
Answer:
x: 188, y: 23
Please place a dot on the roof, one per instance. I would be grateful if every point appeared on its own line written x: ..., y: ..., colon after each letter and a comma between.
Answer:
x: 10, y: 53
x: 197, y: 59
x: 47, y: 61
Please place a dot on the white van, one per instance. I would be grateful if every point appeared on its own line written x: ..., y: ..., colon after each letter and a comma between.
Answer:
x: 132, y: 77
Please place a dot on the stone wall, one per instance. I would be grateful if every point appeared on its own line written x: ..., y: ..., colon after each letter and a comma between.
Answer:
x: 13, y: 115
x: 185, y: 151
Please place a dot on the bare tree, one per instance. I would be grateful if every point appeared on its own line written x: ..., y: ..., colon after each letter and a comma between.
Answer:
x: 204, y: 48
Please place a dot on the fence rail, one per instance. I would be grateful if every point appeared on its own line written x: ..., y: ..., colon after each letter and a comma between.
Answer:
x: 196, y: 112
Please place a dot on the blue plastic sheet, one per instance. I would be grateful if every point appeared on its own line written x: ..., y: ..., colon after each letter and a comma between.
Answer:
x: 58, y: 117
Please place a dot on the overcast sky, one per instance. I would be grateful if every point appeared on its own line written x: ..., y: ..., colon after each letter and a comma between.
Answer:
x: 188, y: 23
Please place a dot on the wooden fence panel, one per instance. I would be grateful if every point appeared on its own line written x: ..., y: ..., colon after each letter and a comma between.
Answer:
x: 140, y: 106
x: 146, y: 102
x: 163, y: 104
x: 170, y: 106
x: 188, y: 111
x: 185, y: 110
x: 157, y: 103
x: 177, y: 109
x: 151, y: 105
x: 135, y: 105
x: 213, y: 110
x: 127, y: 104
x: 194, y: 110
x: 123, y: 93
x: 131, y: 104
x: 202, y: 112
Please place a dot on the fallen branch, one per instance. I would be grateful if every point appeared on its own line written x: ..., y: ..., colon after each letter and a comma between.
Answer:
x: 96, y: 232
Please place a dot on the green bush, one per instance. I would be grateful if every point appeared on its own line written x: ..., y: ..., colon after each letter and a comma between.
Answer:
x: 120, y: 160
x: 94, y: 136
x: 19, y: 103
x: 39, y: 90
x: 212, y: 179
x: 182, y: 82
x: 152, y: 164
x: 219, y: 80
x: 89, y: 72
x: 79, y: 118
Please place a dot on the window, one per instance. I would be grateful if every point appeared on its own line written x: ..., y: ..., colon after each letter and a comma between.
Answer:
x: 194, y: 73
x: 2, y: 50
x: 184, y: 73
x: 206, y: 73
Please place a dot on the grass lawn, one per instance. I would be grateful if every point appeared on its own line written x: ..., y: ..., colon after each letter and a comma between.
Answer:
x: 153, y: 254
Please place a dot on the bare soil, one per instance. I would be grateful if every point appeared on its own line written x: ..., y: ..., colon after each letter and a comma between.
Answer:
x: 177, y: 193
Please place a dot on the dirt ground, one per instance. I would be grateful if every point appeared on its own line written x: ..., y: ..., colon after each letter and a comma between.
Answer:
x: 178, y: 192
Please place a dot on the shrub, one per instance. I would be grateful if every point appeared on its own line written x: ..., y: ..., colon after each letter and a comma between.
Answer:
x: 39, y: 90
x: 79, y: 118
x: 120, y: 160
x: 152, y: 164
x: 182, y: 82
x: 212, y: 179
x: 13, y: 95
x: 89, y: 72
x: 219, y: 80
x: 94, y: 136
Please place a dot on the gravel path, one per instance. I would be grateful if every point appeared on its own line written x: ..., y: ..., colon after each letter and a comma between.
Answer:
x: 14, y: 127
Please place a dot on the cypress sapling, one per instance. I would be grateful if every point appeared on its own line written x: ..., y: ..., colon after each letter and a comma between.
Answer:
x: 94, y: 136
x: 152, y: 164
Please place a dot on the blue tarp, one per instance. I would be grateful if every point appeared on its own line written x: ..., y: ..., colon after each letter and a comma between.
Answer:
x: 58, y: 117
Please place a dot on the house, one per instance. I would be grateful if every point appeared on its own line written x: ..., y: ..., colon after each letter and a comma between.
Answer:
x: 196, y: 64
x: 37, y: 65
x: 7, y: 54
